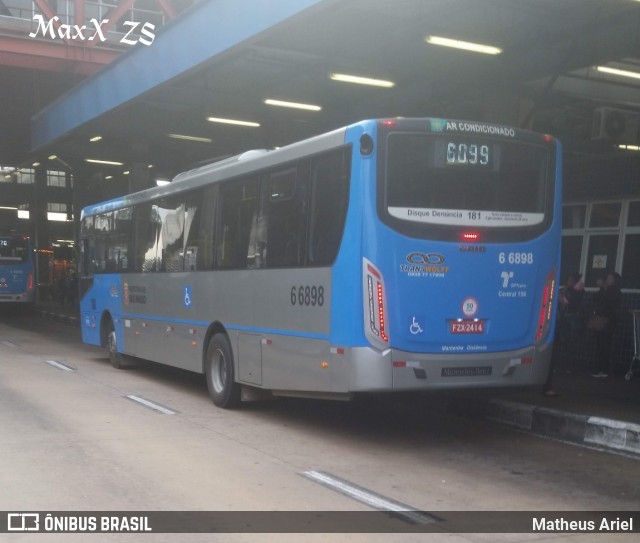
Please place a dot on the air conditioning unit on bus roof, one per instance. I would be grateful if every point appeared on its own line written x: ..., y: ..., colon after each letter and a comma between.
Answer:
x: 616, y: 125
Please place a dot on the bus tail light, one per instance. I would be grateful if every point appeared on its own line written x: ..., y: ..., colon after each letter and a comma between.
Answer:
x: 375, y: 305
x: 30, y: 282
x: 470, y: 237
x: 546, y: 306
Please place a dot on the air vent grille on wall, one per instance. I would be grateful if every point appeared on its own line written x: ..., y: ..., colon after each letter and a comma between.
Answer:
x: 617, y: 125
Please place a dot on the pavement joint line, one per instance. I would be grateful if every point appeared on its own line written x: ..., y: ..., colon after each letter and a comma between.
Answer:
x: 151, y: 405
x: 372, y: 499
x: 8, y: 343
x: 59, y: 365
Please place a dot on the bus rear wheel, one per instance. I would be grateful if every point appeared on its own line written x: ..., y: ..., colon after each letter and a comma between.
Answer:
x: 219, y: 372
x: 116, y: 358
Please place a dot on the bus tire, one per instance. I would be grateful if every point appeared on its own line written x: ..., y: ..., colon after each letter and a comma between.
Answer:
x: 219, y: 372
x: 116, y: 358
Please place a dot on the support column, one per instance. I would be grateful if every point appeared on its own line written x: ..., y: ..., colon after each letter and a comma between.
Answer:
x: 38, y: 216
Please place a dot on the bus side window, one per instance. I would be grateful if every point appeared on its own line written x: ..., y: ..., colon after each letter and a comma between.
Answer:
x: 148, y: 229
x: 283, y: 217
x: 103, y: 256
x: 171, y: 246
x: 238, y: 208
x: 199, y: 231
x: 329, y: 201
x: 121, y: 239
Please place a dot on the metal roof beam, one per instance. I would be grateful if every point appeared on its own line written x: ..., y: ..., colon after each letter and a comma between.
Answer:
x: 207, y: 30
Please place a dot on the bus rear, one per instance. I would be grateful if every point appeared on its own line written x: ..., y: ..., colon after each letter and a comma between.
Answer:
x: 460, y: 256
x: 16, y: 270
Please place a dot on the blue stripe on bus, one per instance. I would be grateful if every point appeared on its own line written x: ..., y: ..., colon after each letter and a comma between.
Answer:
x: 236, y: 327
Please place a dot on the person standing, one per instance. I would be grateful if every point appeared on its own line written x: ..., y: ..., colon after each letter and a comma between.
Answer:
x: 605, y: 309
x: 568, y: 323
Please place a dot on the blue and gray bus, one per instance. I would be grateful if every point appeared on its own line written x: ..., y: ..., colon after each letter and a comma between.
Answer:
x: 390, y: 255
x: 17, y: 270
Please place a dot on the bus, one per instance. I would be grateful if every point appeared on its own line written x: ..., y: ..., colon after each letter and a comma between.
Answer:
x: 389, y: 255
x: 17, y: 270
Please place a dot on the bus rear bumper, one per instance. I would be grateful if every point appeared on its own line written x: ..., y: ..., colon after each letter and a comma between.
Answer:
x: 395, y: 370
x: 18, y: 298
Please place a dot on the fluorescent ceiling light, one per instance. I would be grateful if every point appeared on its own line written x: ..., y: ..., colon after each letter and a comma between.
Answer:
x: 616, y: 71
x: 53, y: 157
x: 359, y: 80
x: 233, y: 121
x: 293, y: 105
x: 55, y: 216
x: 95, y: 138
x: 189, y: 138
x: 35, y: 164
x: 9, y: 208
x: 23, y: 213
x: 464, y: 45
x: 162, y: 182
x: 630, y: 147
x: 106, y: 162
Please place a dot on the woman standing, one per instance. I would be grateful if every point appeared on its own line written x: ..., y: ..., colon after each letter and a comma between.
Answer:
x: 605, y: 309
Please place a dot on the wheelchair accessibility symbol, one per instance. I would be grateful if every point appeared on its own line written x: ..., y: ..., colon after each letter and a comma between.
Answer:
x: 415, y: 327
x: 188, y: 296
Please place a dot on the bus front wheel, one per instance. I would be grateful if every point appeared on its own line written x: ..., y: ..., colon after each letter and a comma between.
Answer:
x: 223, y: 389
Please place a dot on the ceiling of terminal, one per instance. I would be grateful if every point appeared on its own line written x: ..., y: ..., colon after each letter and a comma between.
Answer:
x: 546, y: 76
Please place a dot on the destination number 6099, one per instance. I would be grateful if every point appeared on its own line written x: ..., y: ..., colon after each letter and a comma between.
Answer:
x: 515, y: 258
x: 307, y: 295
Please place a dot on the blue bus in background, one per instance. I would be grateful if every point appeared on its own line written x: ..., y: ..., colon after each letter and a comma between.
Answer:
x: 390, y: 255
x: 17, y: 270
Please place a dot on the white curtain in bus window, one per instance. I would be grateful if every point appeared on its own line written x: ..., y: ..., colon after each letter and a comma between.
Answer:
x: 465, y: 180
x: 147, y: 227
x: 87, y: 226
x: 171, y: 211
x: 199, y: 221
x: 164, y: 244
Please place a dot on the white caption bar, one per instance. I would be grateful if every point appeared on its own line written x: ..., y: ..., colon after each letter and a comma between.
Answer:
x: 151, y: 405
